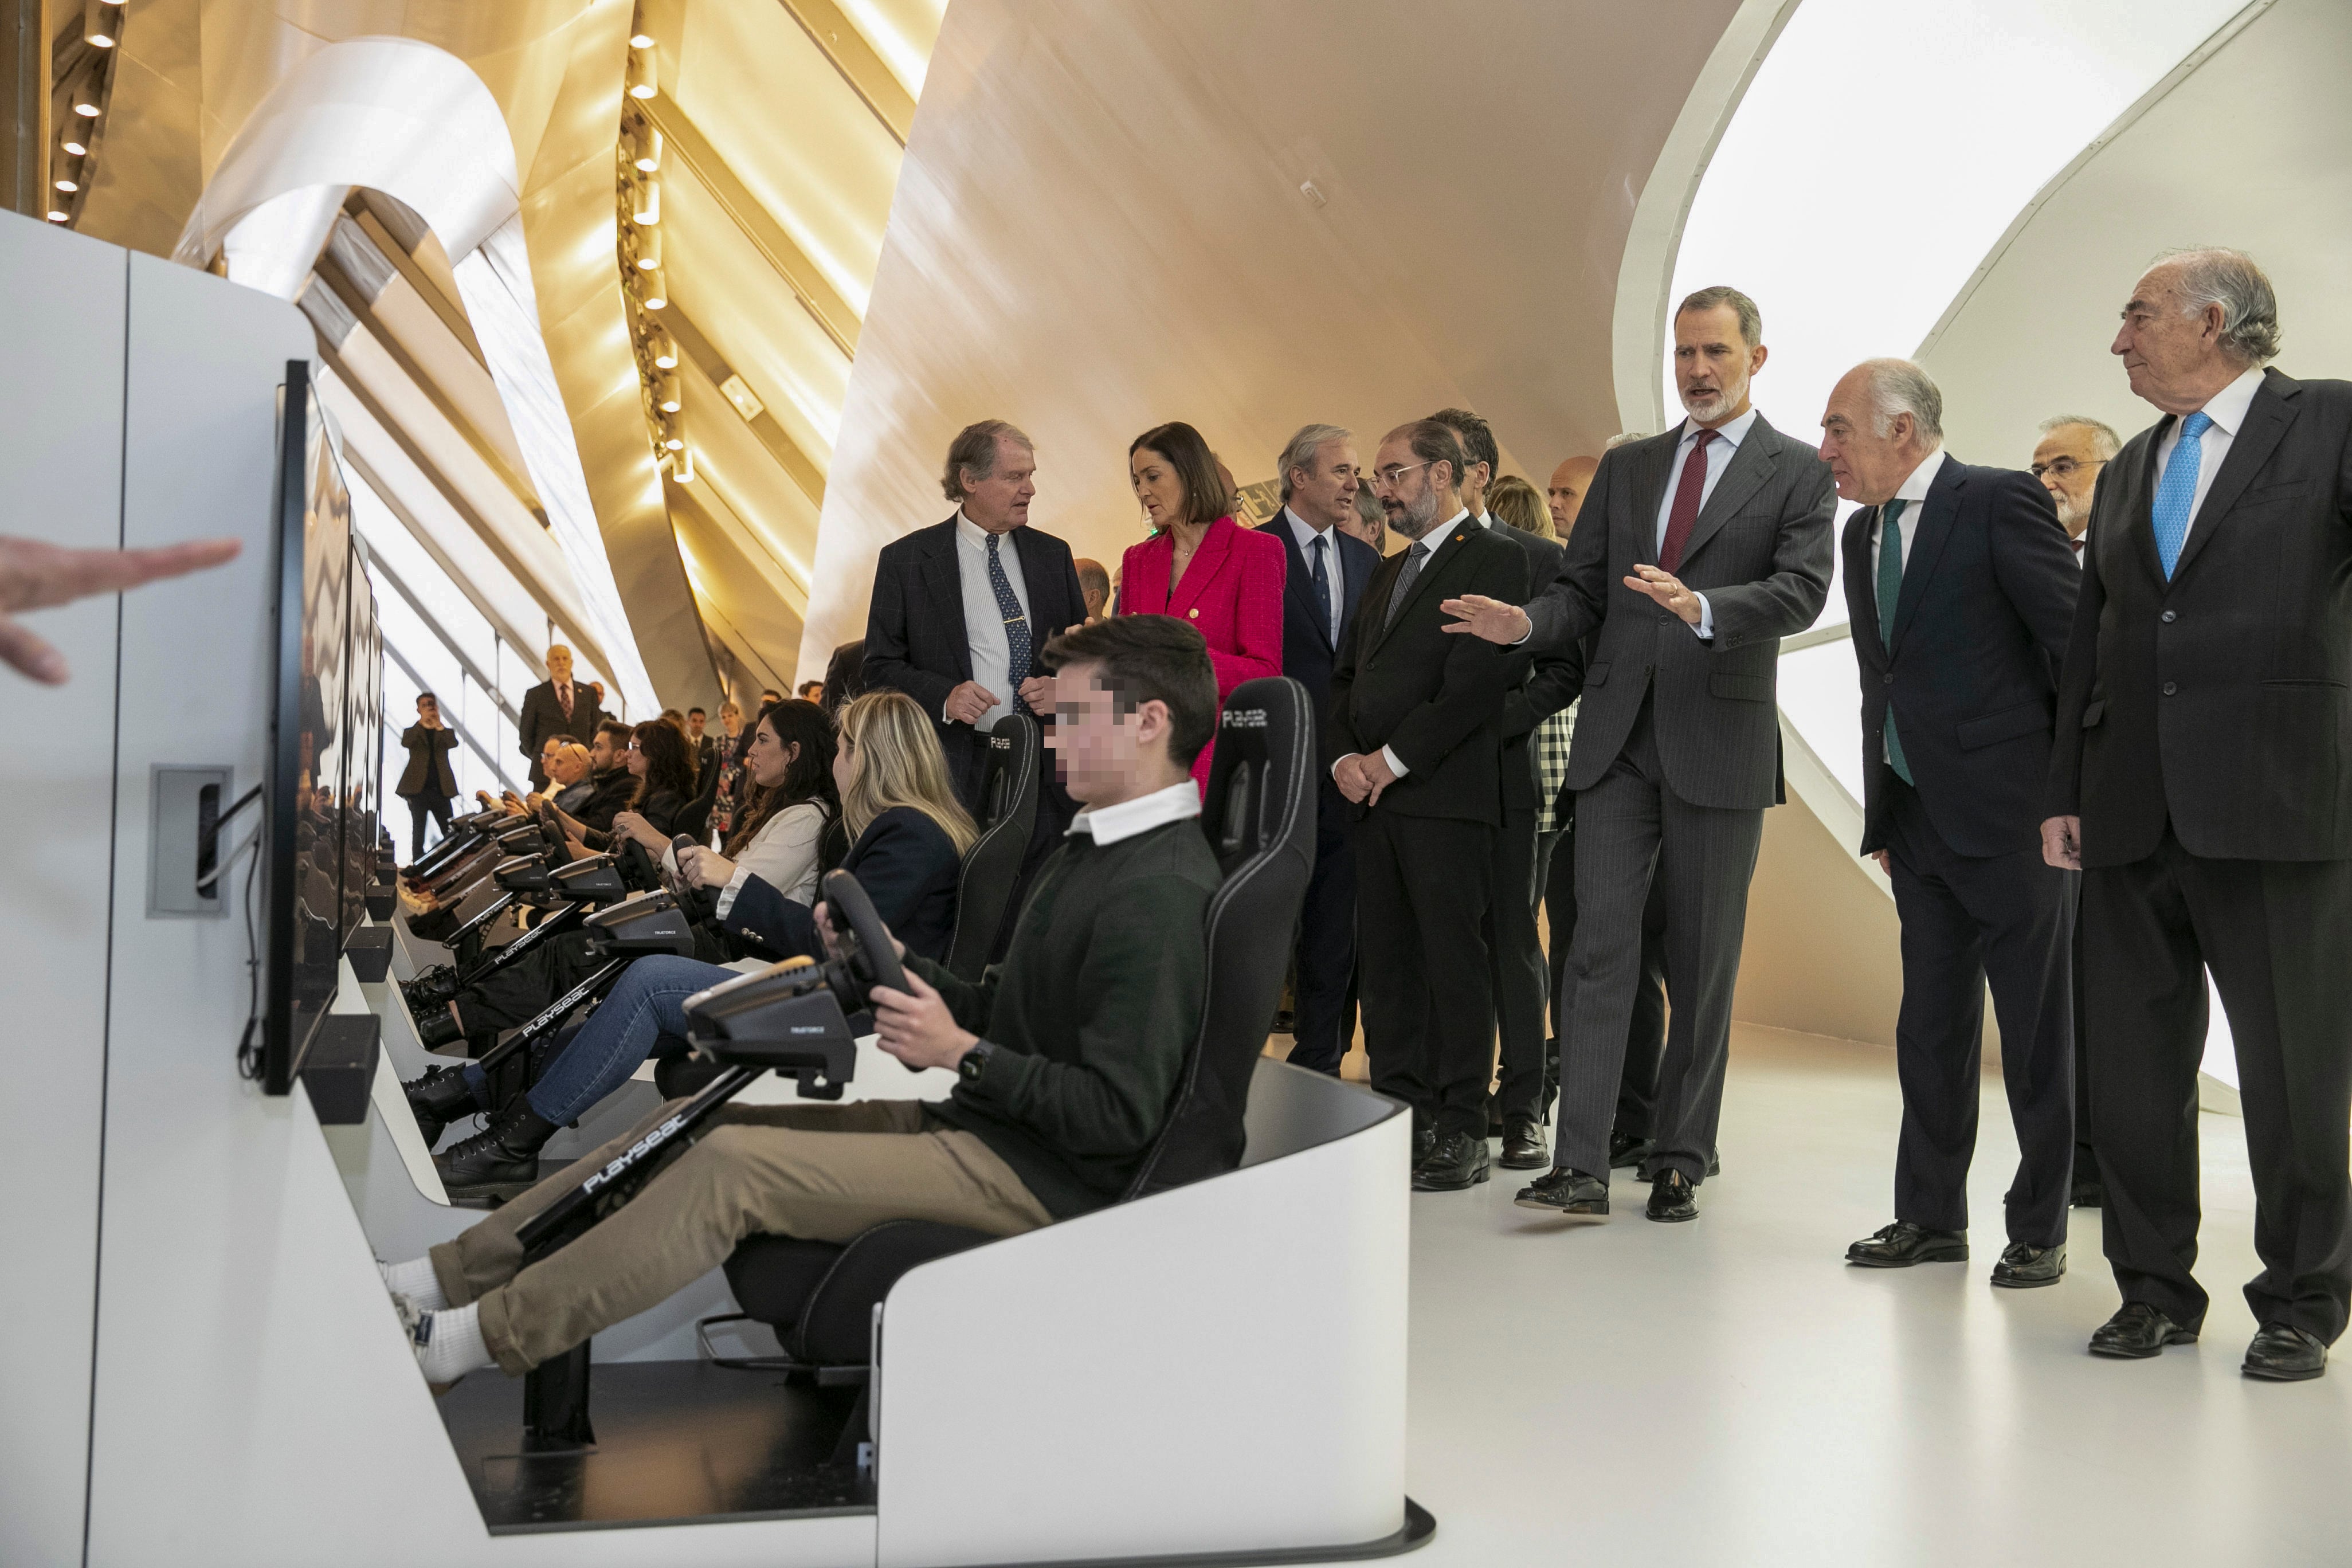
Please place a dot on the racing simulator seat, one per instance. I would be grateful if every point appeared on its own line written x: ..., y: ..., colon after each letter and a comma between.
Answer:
x: 992, y: 868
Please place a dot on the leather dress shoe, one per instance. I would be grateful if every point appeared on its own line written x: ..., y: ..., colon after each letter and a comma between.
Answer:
x: 2283, y: 1354
x: 1903, y: 1244
x: 1625, y: 1149
x: 1569, y: 1192
x: 2021, y: 1266
x: 2136, y: 1331
x: 1524, y: 1147
x: 1423, y: 1142
x: 1457, y: 1163
x: 1672, y: 1198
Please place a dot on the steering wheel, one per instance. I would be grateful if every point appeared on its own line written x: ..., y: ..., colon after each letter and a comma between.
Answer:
x: 550, y: 827
x: 638, y: 872
x: 702, y: 904
x: 874, y: 962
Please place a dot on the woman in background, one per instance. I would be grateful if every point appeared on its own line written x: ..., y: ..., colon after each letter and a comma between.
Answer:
x: 1200, y: 566
x: 664, y: 775
x: 1520, y: 504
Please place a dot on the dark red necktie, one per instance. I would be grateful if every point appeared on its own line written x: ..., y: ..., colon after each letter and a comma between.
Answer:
x: 1685, y: 517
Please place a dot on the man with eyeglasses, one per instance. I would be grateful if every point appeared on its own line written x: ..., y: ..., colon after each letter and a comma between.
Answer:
x: 1696, y: 552
x: 1414, y: 737
x: 2073, y: 452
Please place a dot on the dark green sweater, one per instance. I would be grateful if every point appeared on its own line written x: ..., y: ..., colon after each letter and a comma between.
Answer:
x: 1089, y: 1015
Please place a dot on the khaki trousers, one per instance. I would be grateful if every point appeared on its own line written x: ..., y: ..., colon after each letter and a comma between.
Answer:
x: 821, y: 1172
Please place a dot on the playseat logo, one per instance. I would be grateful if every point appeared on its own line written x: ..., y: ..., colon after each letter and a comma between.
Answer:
x: 1244, y: 718
x: 806, y: 1029
x: 633, y: 1152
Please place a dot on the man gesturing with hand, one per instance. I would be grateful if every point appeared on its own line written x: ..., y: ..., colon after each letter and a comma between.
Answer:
x: 1695, y: 553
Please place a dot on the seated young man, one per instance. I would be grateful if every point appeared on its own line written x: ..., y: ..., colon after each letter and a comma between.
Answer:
x: 1065, y: 1055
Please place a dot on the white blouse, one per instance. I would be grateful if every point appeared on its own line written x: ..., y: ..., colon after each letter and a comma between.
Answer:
x: 782, y: 854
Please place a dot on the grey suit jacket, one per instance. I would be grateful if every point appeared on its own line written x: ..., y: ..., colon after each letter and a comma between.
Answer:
x: 1760, y: 552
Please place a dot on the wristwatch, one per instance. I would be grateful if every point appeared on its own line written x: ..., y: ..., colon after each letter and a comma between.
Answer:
x: 974, y: 1062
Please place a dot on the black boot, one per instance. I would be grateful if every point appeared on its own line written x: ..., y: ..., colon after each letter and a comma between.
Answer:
x: 439, y: 1028
x: 434, y: 988
x: 499, y: 1163
x: 440, y: 1097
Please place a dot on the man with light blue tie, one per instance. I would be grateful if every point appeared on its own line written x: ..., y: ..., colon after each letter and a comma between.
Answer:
x: 2200, y: 781
x: 1328, y: 571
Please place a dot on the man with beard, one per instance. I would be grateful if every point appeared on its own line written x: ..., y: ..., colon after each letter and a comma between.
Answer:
x: 1414, y: 737
x: 1698, y: 550
x: 2074, y: 450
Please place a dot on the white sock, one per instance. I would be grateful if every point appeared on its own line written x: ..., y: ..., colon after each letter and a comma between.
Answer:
x: 415, y: 1280
x: 449, y: 1343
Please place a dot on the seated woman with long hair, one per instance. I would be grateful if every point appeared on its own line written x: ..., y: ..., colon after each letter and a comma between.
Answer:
x: 657, y: 759
x: 910, y: 838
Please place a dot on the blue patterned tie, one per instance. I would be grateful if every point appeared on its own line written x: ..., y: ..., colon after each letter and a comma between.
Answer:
x: 1323, y: 589
x: 1890, y: 589
x: 1016, y: 625
x: 2176, y: 493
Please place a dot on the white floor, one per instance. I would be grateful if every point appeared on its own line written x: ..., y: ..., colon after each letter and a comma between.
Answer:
x: 1730, y: 1393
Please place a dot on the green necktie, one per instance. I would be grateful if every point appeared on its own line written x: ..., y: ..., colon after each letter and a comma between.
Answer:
x: 1890, y: 589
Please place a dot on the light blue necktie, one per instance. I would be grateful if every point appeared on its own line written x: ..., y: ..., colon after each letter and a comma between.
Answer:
x: 2176, y: 493
x: 1890, y: 589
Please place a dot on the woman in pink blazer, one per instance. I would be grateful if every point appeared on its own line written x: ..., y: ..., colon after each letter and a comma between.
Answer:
x: 1222, y: 580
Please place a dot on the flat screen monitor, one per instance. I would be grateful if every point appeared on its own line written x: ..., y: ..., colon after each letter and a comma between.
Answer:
x: 324, y: 784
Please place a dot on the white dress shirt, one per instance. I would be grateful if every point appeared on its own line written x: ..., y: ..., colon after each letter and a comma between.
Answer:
x: 1145, y: 811
x: 782, y: 854
x: 1433, y: 538
x: 1308, y: 538
x: 1912, y: 493
x: 1728, y: 438
x: 2227, y: 409
x: 991, y: 651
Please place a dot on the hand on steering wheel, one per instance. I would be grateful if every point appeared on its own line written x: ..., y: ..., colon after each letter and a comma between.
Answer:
x: 916, y: 1026
x: 704, y: 868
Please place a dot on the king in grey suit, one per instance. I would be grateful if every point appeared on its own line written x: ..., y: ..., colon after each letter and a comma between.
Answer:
x: 1702, y: 560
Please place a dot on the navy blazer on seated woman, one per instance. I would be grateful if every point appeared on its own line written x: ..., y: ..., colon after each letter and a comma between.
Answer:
x: 908, y: 866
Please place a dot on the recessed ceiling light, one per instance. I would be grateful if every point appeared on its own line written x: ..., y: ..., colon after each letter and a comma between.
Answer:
x: 67, y: 186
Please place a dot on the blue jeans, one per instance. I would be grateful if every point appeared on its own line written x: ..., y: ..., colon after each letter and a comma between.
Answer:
x: 643, y: 1016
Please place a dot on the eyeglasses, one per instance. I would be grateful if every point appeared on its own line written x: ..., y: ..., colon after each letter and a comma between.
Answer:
x: 2065, y: 468
x: 1386, y: 479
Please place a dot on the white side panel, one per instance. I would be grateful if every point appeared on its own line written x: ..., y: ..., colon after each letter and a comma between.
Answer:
x: 61, y: 402
x: 1107, y: 1387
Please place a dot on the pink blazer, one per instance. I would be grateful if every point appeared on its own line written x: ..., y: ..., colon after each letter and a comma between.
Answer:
x: 1232, y: 595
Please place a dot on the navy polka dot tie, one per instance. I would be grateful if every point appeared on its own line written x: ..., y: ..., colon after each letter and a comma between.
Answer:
x: 1016, y: 624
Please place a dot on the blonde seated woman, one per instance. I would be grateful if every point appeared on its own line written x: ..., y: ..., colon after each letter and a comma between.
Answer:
x: 911, y: 836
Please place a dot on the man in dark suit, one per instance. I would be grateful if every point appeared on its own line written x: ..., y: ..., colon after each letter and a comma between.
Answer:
x: 1716, y: 544
x: 1414, y: 739
x: 2198, y: 781
x: 844, y: 677
x: 961, y: 608
x: 555, y: 707
x: 1962, y: 588
x: 1541, y: 686
x: 1325, y: 582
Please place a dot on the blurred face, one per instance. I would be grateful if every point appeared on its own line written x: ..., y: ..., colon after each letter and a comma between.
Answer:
x: 1869, y: 467
x: 1000, y: 503
x: 1099, y: 753
x: 1411, y: 490
x: 731, y: 720
x: 693, y: 722
x: 2068, y: 463
x: 1564, y: 498
x: 1713, y: 364
x: 1323, y: 493
x: 2174, y: 359
x: 428, y: 708
x: 602, y: 755
x: 559, y: 663
x: 846, y: 763
x: 1157, y: 487
x: 769, y: 758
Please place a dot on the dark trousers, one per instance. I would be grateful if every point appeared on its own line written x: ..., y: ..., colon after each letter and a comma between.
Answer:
x: 1423, y: 885
x: 1634, y: 831
x: 1645, y: 1035
x: 1968, y: 922
x: 2273, y: 933
x: 421, y: 807
x: 1326, y: 954
x: 1515, y: 955
x: 2087, y: 1162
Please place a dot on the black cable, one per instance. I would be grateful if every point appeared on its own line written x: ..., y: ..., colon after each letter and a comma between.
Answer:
x: 208, y: 844
x: 249, y: 1052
